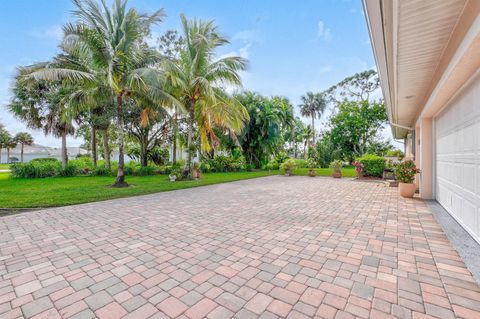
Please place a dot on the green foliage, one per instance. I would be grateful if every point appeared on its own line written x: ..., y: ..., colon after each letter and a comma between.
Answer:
x: 84, y: 164
x: 300, y: 163
x: 336, y: 165
x: 221, y: 163
x: 373, y: 165
x: 311, y: 163
x: 146, y: 170
x: 70, y: 170
x: 355, y: 126
x: 101, y: 170
x: 262, y: 136
x: 289, y: 165
x: 45, y: 160
x: 406, y: 171
x: 35, y: 169
x: 398, y: 153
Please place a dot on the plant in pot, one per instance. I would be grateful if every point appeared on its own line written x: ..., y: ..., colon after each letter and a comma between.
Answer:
x: 175, y: 174
x: 406, y: 172
x: 288, y: 166
x: 336, y: 167
x: 358, y: 169
x: 311, y: 167
x: 196, y: 173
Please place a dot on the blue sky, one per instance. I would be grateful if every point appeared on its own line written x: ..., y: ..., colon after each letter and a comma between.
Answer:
x: 293, y: 46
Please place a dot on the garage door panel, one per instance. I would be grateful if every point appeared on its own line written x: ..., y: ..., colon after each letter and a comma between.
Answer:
x: 457, y: 158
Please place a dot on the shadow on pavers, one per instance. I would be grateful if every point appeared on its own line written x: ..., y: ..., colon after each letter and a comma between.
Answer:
x: 467, y: 247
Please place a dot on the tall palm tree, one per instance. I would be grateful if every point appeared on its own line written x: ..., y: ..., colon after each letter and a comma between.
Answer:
x: 113, y: 40
x: 307, y: 134
x: 11, y: 143
x: 5, y: 138
x: 23, y: 138
x: 313, y: 105
x: 199, y: 79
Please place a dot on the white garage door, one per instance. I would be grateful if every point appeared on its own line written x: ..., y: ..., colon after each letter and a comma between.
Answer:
x: 458, y: 158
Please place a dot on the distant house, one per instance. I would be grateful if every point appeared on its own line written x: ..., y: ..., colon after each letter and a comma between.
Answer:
x: 428, y: 57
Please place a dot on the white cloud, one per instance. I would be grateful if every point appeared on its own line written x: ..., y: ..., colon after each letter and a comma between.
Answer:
x: 242, y: 52
x: 323, y: 32
x: 246, y: 36
x: 54, y: 32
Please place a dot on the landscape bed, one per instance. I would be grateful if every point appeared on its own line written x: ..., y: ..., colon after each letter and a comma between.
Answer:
x: 60, y: 191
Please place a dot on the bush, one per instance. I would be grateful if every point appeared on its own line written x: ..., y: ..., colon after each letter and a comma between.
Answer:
x: 373, y: 165
x: 45, y: 160
x: 146, y: 170
x: 272, y: 166
x: 300, y: 163
x: 69, y: 170
x: 204, y: 167
x: 84, y: 164
x: 101, y: 170
x: 398, y: 153
x: 35, y: 169
x: 221, y: 163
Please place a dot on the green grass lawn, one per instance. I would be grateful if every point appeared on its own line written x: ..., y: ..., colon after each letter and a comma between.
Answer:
x: 4, y: 166
x: 60, y: 191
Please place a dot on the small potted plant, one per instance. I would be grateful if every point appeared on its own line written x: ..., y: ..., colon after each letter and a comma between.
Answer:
x: 311, y: 167
x: 336, y: 167
x: 288, y: 166
x: 196, y: 173
x: 175, y: 174
x: 358, y: 169
x: 406, y: 172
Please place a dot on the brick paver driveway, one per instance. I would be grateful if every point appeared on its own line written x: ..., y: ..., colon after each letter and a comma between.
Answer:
x: 274, y: 247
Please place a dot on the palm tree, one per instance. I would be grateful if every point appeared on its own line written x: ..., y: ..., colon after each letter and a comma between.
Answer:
x: 43, y: 105
x: 307, y: 133
x: 198, y: 78
x: 5, y: 138
x: 113, y: 41
x: 23, y: 138
x: 12, y: 143
x: 313, y: 105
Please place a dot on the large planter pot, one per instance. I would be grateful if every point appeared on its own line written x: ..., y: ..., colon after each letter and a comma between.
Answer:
x: 359, y: 175
x: 407, y: 190
x: 312, y: 173
x: 288, y: 172
x: 336, y: 174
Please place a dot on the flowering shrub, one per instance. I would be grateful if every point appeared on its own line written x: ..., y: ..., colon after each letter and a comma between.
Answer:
x: 406, y: 171
x: 358, y: 167
x: 373, y: 165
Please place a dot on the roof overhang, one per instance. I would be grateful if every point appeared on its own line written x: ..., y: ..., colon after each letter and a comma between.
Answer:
x: 424, y: 51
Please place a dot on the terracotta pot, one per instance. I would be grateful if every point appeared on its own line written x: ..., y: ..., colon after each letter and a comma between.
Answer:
x: 359, y: 175
x: 337, y: 174
x: 407, y: 190
x: 312, y: 173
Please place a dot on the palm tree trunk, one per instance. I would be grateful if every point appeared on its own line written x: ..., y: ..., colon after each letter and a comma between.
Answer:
x: 1, y: 155
x: 93, y: 143
x: 64, y: 148
x: 8, y: 154
x: 21, y: 153
x: 175, y: 132
x: 106, y: 149
x: 313, y: 130
x: 120, y: 181
x: 190, y: 142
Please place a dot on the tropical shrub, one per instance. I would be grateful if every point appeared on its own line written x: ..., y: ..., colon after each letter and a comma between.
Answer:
x: 221, y: 163
x: 101, y: 170
x: 289, y: 166
x: 373, y: 165
x: 311, y: 163
x: 272, y: 166
x: 406, y: 171
x: 300, y: 163
x: 83, y: 164
x: 145, y: 170
x: 44, y: 160
x: 68, y: 171
x: 204, y: 167
x: 35, y: 169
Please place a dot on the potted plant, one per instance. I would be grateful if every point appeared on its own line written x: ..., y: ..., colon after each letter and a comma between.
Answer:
x: 288, y: 166
x: 336, y: 167
x: 196, y: 173
x: 175, y: 174
x: 358, y: 169
x: 311, y: 167
x: 406, y: 172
